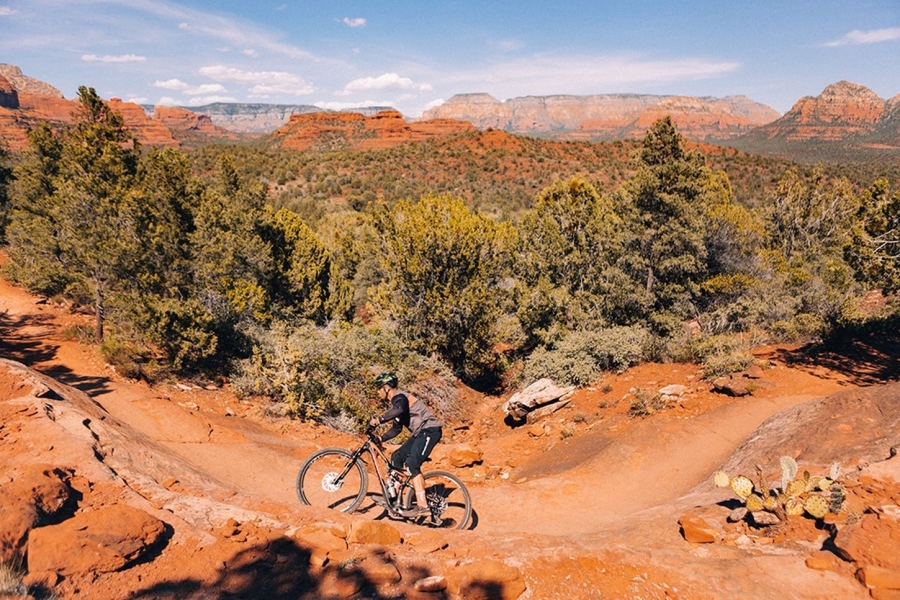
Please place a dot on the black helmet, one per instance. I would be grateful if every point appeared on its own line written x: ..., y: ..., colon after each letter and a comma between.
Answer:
x: 388, y: 379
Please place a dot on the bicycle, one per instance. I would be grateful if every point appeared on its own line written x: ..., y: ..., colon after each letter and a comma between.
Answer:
x: 337, y: 478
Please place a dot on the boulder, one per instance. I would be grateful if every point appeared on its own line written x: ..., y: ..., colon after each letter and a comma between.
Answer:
x: 373, y: 532
x: 541, y: 393
x: 697, y: 530
x: 487, y: 580
x: 100, y: 541
x: 465, y: 455
x: 37, y: 492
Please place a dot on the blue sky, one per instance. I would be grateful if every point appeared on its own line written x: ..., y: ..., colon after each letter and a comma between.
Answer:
x: 414, y: 54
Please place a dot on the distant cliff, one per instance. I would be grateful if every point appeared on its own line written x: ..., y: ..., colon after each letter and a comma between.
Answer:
x: 607, y: 116
x: 354, y: 131
x: 845, y: 113
x: 261, y: 118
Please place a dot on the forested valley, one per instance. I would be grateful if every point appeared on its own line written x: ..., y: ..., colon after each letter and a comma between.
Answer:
x: 486, y: 258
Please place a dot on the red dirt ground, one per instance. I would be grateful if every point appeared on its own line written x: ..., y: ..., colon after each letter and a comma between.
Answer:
x: 584, y: 504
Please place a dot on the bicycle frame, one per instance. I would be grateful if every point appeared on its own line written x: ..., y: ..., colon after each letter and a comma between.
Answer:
x: 372, y: 446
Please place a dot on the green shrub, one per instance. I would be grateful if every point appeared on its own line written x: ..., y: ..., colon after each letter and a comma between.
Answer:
x: 580, y: 356
x: 723, y: 354
x: 325, y: 373
x: 126, y: 356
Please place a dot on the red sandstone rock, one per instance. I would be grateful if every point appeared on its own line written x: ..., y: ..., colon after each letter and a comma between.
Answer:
x: 183, y: 120
x: 99, y: 541
x: 487, y: 580
x: 373, y: 532
x: 353, y: 131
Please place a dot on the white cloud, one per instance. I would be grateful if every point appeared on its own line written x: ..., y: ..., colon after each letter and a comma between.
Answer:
x: 138, y: 100
x: 6, y: 11
x: 250, y: 52
x: 203, y: 100
x: 171, y: 84
x: 434, y: 103
x: 262, y: 82
x: 872, y: 36
x: 190, y: 90
x: 122, y: 58
x: 388, y: 81
x: 196, y: 101
x: 355, y: 22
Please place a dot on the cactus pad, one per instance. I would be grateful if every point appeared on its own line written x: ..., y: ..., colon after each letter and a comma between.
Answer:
x: 754, y: 502
x: 741, y: 486
x: 795, y: 487
x: 817, y: 506
x: 793, y: 507
x: 770, y: 503
x: 721, y: 479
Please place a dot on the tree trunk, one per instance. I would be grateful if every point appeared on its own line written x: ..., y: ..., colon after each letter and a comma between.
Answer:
x: 98, y: 313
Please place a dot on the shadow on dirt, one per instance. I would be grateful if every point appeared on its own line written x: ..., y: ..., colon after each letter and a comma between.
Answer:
x: 280, y: 570
x: 867, y: 354
x: 93, y: 386
x: 31, y: 353
x: 24, y: 349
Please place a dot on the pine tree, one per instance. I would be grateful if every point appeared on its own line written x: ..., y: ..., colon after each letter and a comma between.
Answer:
x: 666, y: 204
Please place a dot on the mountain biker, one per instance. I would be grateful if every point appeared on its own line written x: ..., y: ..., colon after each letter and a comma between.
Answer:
x: 408, y: 411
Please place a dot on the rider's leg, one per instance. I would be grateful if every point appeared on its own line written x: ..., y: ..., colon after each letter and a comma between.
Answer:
x: 420, y: 449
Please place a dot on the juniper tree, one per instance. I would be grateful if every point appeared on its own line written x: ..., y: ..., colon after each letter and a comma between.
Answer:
x: 442, y: 266
x: 79, y: 219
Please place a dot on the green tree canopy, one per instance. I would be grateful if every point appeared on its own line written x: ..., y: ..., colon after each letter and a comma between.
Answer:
x: 442, y: 267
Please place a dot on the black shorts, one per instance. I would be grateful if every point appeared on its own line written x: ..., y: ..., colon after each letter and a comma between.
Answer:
x: 416, y: 450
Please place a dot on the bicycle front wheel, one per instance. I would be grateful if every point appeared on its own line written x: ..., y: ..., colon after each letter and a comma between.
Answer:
x: 448, y: 498
x: 330, y: 478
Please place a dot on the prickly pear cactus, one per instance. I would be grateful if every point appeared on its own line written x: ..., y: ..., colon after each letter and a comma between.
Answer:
x: 788, y: 470
x: 795, y: 487
x: 755, y: 503
x: 817, y: 506
x: 824, y: 483
x: 835, y: 471
x: 742, y: 486
x: 793, y: 507
x: 836, y: 497
x: 721, y: 479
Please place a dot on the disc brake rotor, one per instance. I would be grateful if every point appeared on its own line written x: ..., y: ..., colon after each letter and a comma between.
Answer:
x: 330, y: 482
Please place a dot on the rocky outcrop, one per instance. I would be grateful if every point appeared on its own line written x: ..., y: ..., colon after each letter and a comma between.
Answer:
x: 185, y: 121
x: 145, y: 129
x: 607, y: 116
x: 27, y: 85
x: 252, y: 118
x: 843, y: 110
x: 9, y: 97
x: 354, y: 131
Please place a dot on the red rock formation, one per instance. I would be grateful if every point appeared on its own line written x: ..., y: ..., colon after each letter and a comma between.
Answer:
x: 843, y: 110
x: 353, y: 131
x: 145, y: 129
x: 25, y: 102
x: 9, y: 97
x: 182, y: 120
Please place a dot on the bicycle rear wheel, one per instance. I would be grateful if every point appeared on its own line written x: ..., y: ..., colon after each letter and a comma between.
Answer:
x: 448, y: 498
x: 330, y: 478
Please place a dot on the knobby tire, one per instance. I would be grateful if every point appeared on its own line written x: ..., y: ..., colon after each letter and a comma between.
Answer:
x: 317, y: 485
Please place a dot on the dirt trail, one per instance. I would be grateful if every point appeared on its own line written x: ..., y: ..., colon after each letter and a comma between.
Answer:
x: 617, y: 480
x: 648, y: 463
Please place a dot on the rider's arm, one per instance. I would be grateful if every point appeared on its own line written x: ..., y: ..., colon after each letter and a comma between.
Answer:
x: 399, y: 406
